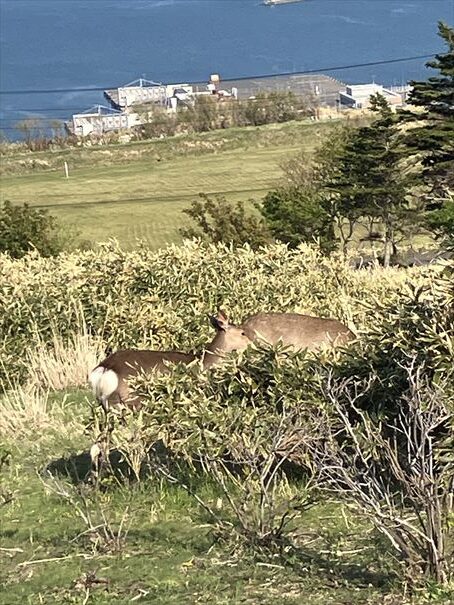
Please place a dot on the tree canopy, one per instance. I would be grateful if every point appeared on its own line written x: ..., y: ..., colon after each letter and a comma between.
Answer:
x: 430, y: 133
x: 371, y: 180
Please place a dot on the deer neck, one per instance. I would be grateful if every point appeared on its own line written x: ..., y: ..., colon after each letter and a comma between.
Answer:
x: 212, y: 357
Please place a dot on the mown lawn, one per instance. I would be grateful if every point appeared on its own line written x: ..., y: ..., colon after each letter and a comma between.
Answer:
x: 139, y: 190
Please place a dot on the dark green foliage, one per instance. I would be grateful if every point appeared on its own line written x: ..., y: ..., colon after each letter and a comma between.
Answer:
x: 297, y: 215
x: 355, y: 177
x: 218, y: 220
x: 23, y: 228
x: 432, y: 138
x: 371, y: 181
x: 441, y: 222
x: 302, y: 209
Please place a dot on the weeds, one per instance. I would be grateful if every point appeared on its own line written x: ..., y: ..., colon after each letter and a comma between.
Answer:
x: 106, y: 528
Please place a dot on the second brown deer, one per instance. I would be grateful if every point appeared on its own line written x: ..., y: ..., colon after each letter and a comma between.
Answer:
x: 292, y: 329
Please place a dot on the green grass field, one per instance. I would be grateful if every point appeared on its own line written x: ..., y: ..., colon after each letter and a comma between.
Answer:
x: 139, y: 190
x: 162, y: 548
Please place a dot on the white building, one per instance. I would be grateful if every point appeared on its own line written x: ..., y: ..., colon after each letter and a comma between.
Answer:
x: 183, y: 92
x: 98, y: 120
x: 358, y: 96
x: 142, y: 92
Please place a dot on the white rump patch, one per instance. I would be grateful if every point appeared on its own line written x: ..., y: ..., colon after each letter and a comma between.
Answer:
x: 103, y: 382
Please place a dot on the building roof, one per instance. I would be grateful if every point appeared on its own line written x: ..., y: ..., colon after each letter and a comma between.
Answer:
x: 141, y: 83
x: 99, y: 110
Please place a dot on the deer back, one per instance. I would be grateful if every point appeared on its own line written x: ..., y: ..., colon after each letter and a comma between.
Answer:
x: 299, y: 331
x: 129, y: 362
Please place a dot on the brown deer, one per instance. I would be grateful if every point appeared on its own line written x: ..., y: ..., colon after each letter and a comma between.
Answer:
x: 109, y: 380
x: 293, y: 329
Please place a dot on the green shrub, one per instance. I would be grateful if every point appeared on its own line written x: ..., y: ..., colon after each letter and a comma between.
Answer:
x: 262, y: 413
x: 23, y: 228
x: 218, y: 220
x: 161, y: 299
x: 208, y: 412
x: 356, y: 418
x: 416, y: 328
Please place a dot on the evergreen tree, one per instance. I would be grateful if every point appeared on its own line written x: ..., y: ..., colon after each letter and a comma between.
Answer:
x: 295, y: 215
x: 441, y: 222
x: 371, y: 182
x: 433, y: 132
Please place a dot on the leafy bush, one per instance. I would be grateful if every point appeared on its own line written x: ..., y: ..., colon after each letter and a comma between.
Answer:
x: 294, y: 215
x: 373, y: 423
x: 271, y: 107
x: 210, y: 113
x: 161, y: 299
x: 267, y: 411
x: 245, y: 424
x: 419, y: 326
x: 303, y: 207
x: 23, y: 228
x: 218, y: 220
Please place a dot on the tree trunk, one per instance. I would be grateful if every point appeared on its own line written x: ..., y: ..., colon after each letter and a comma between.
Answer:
x: 346, y: 237
x: 389, y: 245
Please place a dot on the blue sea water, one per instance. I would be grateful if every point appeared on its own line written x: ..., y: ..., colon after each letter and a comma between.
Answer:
x: 73, y: 44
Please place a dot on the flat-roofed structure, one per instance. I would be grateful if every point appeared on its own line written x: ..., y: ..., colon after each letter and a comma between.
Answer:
x: 320, y: 87
x: 357, y: 96
x: 144, y: 92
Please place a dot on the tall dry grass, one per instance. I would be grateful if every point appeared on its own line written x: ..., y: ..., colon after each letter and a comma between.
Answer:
x: 62, y: 363
x: 28, y: 411
x: 28, y: 414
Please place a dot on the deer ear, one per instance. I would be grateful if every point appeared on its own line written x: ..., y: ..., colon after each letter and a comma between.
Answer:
x: 222, y: 315
x: 219, y: 322
x: 214, y: 322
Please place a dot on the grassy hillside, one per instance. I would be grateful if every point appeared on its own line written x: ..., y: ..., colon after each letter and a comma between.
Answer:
x: 139, y: 190
x: 162, y: 548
